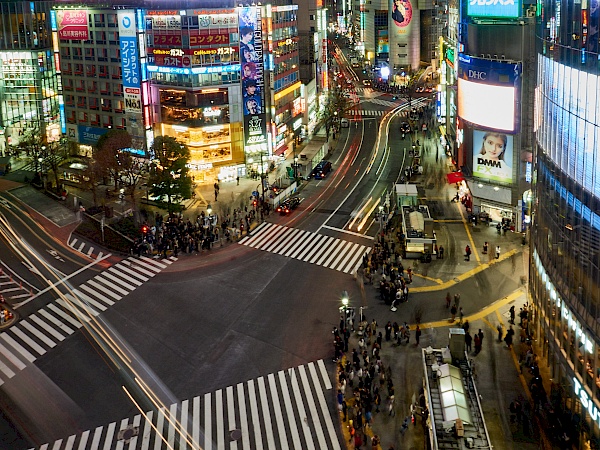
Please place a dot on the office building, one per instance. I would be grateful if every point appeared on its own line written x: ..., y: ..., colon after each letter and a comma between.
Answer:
x: 29, y: 89
x: 222, y: 79
x: 565, y: 236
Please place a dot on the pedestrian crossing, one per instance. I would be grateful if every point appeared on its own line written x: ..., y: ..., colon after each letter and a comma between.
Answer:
x: 378, y: 101
x: 11, y: 288
x: 83, y: 247
x: 362, y: 112
x: 284, y: 410
x: 36, y: 334
x: 43, y: 166
x: 314, y: 248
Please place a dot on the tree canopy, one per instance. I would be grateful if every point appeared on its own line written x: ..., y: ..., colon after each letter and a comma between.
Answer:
x: 169, y: 178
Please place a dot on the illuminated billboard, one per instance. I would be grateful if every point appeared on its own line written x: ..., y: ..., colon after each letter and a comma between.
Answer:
x: 488, y: 92
x: 72, y: 25
x: 494, y: 8
x: 492, y: 156
x: 253, y: 84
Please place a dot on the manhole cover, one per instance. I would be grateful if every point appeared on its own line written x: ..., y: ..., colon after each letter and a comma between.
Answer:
x: 235, y: 435
x: 128, y: 433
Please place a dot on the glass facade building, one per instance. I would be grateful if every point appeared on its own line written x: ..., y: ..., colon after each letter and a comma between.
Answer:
x: 29, y: 89
x: 565, y: 238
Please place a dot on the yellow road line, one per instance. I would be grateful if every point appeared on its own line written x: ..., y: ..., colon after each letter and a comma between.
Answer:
x: 478, y: 315
x: 473, y: 248
x: 435, y: 280
x: 462, y: 277
x: 449, y: 221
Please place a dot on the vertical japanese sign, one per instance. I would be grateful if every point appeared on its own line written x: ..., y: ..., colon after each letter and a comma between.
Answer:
x: 253, y: 83
x: 130, y: 62
x: 72, y: 24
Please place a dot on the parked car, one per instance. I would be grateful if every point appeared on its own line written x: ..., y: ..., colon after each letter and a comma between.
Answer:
x: 288, y: 205
x: 344, y: 123
x: 405, y: 127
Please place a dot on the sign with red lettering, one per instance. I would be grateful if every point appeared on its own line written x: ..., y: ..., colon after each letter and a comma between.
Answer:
x: 209, y: 39
x: 72, y: 24
x: 166, y: 39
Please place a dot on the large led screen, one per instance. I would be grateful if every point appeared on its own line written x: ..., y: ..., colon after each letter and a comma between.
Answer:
x: 494, y: 8
x: 492, y: 156
x: 568, y: 109
x: 488, y: 92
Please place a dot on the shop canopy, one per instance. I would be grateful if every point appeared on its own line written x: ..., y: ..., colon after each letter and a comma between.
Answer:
x: 455, y: 177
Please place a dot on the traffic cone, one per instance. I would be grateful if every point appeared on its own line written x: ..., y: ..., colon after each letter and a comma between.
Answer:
x: 31, y: 292
x: 21, y: 284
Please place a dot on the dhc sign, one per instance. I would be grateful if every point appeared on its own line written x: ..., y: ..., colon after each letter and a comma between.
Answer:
x: 494, y: 8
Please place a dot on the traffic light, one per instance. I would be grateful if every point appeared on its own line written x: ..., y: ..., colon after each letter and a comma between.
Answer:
x: 254, y: 203
x: 144, y: 229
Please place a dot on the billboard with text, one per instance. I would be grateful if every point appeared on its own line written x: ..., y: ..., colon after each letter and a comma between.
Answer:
x: 488, y: 93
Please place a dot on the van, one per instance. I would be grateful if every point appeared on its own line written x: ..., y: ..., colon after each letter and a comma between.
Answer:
x: 321, y: 170
x: 345, y: 123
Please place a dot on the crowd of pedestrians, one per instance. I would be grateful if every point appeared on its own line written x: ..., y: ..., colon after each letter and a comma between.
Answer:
x: 365, y: 382
x: 175, y: 234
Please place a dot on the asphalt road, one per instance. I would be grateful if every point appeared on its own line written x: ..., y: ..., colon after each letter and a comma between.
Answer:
x: 208, y: 321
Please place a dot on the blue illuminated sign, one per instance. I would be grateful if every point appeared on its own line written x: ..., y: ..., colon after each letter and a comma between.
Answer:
x: 494, y: 8
x: 130, y: 59
x: 53, y: 23
x: 90, y: 135
x: 63, y: 118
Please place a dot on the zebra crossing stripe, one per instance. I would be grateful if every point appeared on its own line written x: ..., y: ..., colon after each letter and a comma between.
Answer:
x: 104, y: 282
x: 137, y: 270
x: 329, y: 248
x: 289, y: 410
x: 115, y: 269
x: 88, y: 299
x: 278, y: 413
x: 26, y: 339
x: 266, y: 413
x: 323, y: 404
x: 72, y: 244
x: 18, y: 347
x: 288, y: 238
x: 207, y: 422
x: 70, y: 306
x: 118, y: 280
x: 65, y: 315
x: 152, y: 264
x: 99, y: 287
x: 140, y: 263
x: 47, y: 327
x: 10, y: 357
x: 314, y: 249
x: 231, y: 414
x: 254, y: 412
x: 56, y: 322
x: 41, y: 336
x: 147, y: 430
x: 300, y: 241
x: 301, y: 420
x: 243, y: 417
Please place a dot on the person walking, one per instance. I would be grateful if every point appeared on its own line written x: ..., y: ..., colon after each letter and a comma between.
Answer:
x: 460, y: 316
x: 485, y: 248
x: 512, y: 314
x: 468, y: 341
x: 467, y: 253
x: 441, y: 252
x: 497, y: 251
x: 457, y: 300
x: 500, y: 332
x: 480, y: 334
x: 417, y: 335
x: 448, y: 300
x: 453, y: 312
x: 477, y: 344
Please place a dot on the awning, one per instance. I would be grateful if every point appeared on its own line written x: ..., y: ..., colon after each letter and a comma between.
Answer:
x: 281, y: 150
x: 455, y: 177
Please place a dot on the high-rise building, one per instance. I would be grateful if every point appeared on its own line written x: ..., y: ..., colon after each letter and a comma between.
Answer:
x: 29, y: 89
x: 220, y: 77
x: 565, y: 236
x: 493, y: 63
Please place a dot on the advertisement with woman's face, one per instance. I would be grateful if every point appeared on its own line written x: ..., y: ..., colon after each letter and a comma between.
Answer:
x: 401, y: 12
x: 492, y: 156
